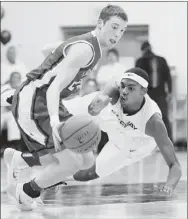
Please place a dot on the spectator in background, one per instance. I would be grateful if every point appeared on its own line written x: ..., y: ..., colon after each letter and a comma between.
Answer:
x: 107, y: 73
x: 12, y: 64
x: 7, y: 119
x: 160, y: 84
x: 90, y: 86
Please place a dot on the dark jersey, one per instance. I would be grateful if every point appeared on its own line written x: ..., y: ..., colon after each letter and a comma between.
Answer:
x: 43, y: 76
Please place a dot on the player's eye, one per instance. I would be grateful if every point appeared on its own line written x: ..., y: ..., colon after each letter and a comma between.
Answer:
x: 130, y: 88
x: 114, y: 27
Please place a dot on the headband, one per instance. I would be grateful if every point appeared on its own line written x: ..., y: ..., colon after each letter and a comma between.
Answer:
x: 135, y: 77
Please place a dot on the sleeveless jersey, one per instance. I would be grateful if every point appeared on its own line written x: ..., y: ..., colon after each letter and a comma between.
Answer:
x: 43, y: 76
x: 114, y: 121
x: 139, y: 120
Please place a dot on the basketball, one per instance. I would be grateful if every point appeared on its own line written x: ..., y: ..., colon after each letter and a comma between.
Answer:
x: 80, y: 134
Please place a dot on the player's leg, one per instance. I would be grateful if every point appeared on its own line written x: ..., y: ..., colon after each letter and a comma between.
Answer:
x: 113, y: 158
x: 46, y: 153
x: 110, y: 159
x: 66, y: 163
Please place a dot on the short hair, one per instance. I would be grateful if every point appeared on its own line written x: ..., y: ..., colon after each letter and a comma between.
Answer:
x: 140, y: 72
x: 113, y: 51
x: 113, y: 10
x: 144, y: 45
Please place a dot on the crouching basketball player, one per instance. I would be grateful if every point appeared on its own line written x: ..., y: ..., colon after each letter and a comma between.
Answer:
x: 134, y: 126
x: 38, y: 109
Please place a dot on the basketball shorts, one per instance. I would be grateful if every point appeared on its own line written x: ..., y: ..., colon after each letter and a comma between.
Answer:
x: 30, y: 111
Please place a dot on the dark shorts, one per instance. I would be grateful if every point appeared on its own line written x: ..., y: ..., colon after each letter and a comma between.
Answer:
x: 30, y: 111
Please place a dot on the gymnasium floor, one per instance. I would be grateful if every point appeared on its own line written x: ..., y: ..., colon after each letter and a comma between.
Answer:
x: 127, y: 194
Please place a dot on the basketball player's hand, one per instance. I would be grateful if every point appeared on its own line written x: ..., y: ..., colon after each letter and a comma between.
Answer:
x: 163, y: 190
x: 99, y: 103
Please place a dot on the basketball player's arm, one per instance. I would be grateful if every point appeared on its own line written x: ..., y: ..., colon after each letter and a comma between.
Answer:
x: 156, y: 128
x: 110, y: 94
x: 78, y: 56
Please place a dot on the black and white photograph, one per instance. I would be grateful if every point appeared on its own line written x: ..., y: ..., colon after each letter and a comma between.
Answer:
x: 93, y: 110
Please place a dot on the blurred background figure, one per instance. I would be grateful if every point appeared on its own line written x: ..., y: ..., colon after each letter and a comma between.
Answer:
x: 107, y: 73
x: 12, y: 64
x: 89, y: 86
x: 5, y: 36
x: 160, y: 85
x: 10, y: 134
x: 2, y: 12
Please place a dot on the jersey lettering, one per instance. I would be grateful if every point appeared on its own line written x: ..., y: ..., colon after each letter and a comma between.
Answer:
x: 75, y: 85
x: 122, y: 123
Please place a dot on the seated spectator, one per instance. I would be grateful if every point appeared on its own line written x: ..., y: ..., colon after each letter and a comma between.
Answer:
x: 89, y: 86
x: 12, y: 64
x: 7, y: 120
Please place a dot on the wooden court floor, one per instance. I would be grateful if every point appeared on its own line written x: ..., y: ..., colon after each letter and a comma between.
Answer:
x: 127, y: 194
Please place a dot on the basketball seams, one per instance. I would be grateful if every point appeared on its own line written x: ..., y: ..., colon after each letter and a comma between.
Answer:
x: 96, y: 133
x: 76, y: 131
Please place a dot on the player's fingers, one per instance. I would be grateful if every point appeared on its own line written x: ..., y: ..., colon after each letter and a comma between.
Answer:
x: 168, y: 190
x: 56, y: 132
x: 56, y: 142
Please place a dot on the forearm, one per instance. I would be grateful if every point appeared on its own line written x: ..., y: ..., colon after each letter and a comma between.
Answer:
x: 53, y: 98
x: 98, y: 104
x: 174, y: 175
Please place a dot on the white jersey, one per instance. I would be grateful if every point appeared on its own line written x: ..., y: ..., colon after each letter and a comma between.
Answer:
x: 128, y: 142
x: 139, y: 120
x: 113, y: 121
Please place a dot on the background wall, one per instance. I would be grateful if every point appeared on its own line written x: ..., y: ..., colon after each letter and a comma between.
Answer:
x: 35, y: 24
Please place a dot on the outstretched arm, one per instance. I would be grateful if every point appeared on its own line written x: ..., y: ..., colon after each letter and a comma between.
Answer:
x: 156, y: 128
x: 110, y: 94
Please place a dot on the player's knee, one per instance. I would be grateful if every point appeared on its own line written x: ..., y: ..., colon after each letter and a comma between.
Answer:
x: 70, y: 158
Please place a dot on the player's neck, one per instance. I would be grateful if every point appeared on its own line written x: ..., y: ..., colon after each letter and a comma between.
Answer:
x: 134, y: 108
x: 96, y: 32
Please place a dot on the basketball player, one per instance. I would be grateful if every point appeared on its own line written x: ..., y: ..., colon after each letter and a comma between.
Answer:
x: 134, y: 126
x: 38, y: 109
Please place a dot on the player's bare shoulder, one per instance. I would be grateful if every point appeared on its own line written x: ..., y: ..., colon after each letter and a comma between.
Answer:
x: 155, y: 127
x: 81, y: 52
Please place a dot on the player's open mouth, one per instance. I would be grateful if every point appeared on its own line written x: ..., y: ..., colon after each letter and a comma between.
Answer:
x: 112, y: 41
x: 123, y: 98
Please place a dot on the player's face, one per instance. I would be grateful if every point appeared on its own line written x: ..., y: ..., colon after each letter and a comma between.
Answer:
x: 130, y: 92
x: 112, y: 31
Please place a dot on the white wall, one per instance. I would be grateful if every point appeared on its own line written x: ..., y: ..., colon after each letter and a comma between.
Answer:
x: 35, y: 24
